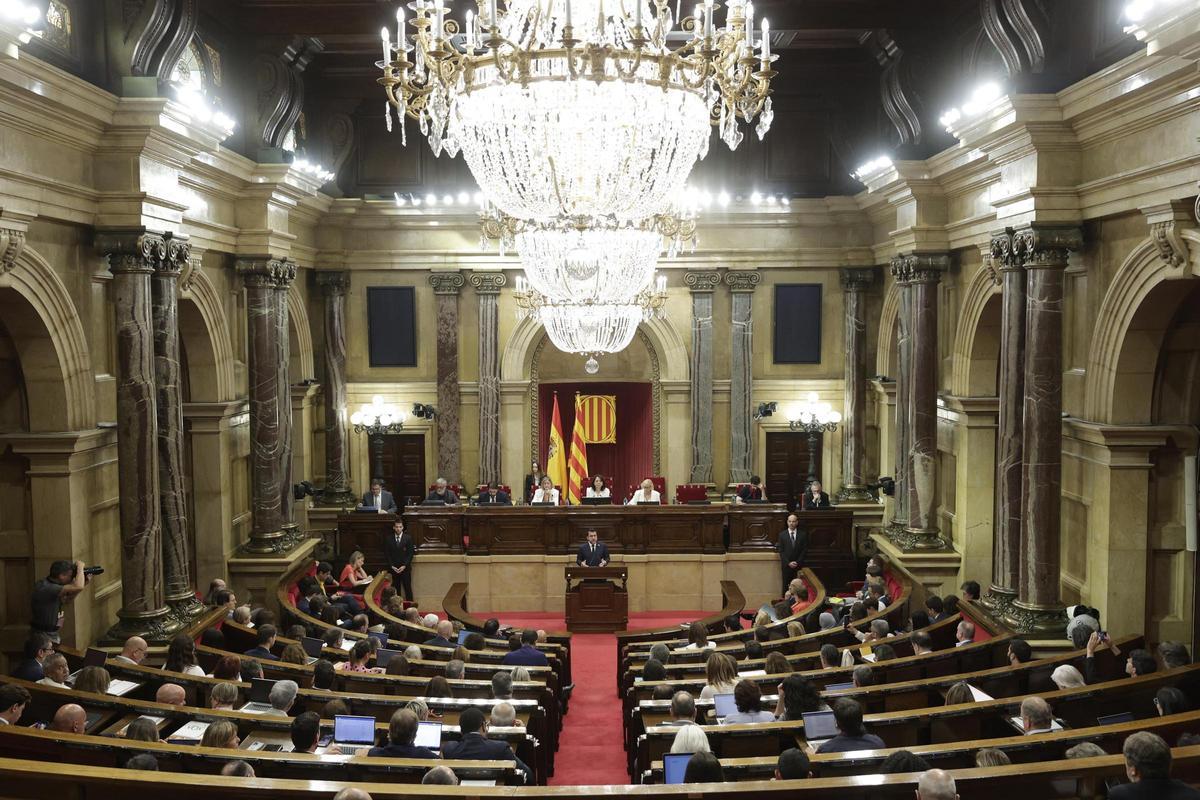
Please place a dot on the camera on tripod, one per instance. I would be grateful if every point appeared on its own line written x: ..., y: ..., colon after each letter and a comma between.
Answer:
x: 886, y: 484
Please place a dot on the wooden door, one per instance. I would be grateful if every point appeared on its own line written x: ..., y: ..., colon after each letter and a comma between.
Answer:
x: 786, y: 472
x: 404, y: 467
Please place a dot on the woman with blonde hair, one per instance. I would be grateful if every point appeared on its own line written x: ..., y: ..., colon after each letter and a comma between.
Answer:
x: 958, y: 694
x: 520, y: 674
x: 223, y: 696
x: 721, y: 672
x: 353, y: 574
x: 221, y: 733
x: 1067, y: 677
x: 777, y: 664
x: 795, y: 628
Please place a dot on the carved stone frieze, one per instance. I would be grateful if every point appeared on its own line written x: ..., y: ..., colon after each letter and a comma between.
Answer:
x: 12, y: 242
x: 333, y: 283
x: 1040, y: 246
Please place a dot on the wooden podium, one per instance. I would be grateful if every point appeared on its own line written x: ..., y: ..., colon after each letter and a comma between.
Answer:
x: 595, y: 603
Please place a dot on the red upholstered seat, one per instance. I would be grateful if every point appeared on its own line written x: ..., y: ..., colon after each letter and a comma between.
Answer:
x: 660, y: 486
x: 454, y: 487
x: 481, y: 488
x: 687, y: 492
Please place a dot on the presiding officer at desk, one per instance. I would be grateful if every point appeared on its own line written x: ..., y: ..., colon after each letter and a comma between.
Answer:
x: 379, y: 498
x: 647, y: 494
x: 814, y: 498
x: 492, y: 496
x: 592, y: 553
x: 546, y: 494
x: 441, y: 494
x: 754, y: 490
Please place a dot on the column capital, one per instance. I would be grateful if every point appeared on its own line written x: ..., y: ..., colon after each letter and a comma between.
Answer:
x: 702, y: 281
x: 920, y: 267
x: 856, y: 279
x: 1167, y: 222
x: 132, y: 250
x: 274, y: 273
x: 1003, y: 252
x: 742, y: 281
x: 334, y: 283
x: 484, y: 282
x: 1046, y: 246
x: 446, y: 282
x: 178, y: 255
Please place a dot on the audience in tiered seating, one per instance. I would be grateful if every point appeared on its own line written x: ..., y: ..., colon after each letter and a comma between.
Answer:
x: 1148, y: 765
x: 134, y: 651
x: 56, y: 671
x: 848, y: 715
x: 527, y: 654
x: 37, y: 647
x: 474, y: 744
x: 266, y: 640
x: 171, y: 694
x: 70, y: 718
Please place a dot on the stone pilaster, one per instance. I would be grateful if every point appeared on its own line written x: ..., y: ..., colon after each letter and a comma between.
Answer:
x: 741, y: 452
x: 900, y: 430
x: 337, y: 492
x: 1044, y: 250
x: 133, y: 256
x: 164, y: 285
x: 446, y: 286
x: 283, y: 355
x: 925, y: 272
x: 487, y: 286
x: 854, y: 421
x: 1006, y: 541
x: 270, y: 399
x: 702, y: 285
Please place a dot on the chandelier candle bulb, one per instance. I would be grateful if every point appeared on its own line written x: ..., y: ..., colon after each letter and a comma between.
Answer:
x: 400, y: 27
x: 708, y: 19
x: 750, y: 27
x: 766, y: 43
x: 387, y: 46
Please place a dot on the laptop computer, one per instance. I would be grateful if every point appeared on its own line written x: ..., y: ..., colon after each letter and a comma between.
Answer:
x: 259, y: 696
x: 1115, y: 719
x: 312, y: 648
x: 92, y: 657
x: 834, y: 687
x: 383, y: 655
x: 352, y: 734
x: 819, y: 727
x: 380, y: 637
x: 724, y: 705
x: 429, y: 734
x: 462, y: 636
x: 649, y: 503
x: 675, y: 766
x: 699, y: 502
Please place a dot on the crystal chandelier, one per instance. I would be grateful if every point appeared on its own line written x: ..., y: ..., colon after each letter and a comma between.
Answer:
x: 578, y: 108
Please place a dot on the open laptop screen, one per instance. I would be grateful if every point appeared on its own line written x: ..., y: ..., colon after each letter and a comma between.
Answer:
x: 260, y: 690
x: 429, y: 734
x: 383, y: 655
x: 724, y: 705
x: 353, y: 730
x: 379, y: 637
x: 94, y: 657
x: 462, y: 636
x: 312, y: 647
x: 675, y: 766
x: 1115, y: 719
x: 819, y: 725
x: 835, y: 687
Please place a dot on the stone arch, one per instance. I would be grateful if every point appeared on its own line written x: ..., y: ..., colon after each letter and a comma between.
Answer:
x: 885, y: 352
x: 1129, y: 329
x: 49, y: 337
x: 300, y: 352
x: 204, y: 334
x: 977, y: 338
x: 667, y: 347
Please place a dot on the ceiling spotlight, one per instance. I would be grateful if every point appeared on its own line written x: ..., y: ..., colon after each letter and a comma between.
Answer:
x: 756, y: 198
x: 431, y: 199
x: 399, y: 200
x: 448, y: 200
x: 724, y: 199
x: 464, y: 198
x: 787, y: 201
x: 416, y: 201
x: 772, y: 199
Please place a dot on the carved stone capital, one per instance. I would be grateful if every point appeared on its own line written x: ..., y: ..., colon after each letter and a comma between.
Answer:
x: 702, y: 281
x: 920, y: 267
x: 273, y: 273
x: 1046, y: 246
x: 12, y: 242
x: 1004, y: 255
x: 856, y: 279
x: 333, y: 283
x: 446, y: 282
x: 132, y: 250
x: 1167, y: 221
x: 178, y: 253
x: 742, y: 280
x: 486, y: 282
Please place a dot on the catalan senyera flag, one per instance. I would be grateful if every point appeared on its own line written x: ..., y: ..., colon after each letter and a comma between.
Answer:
x: 556, y: 457
x: 577, y: 461
x: 599, y: 415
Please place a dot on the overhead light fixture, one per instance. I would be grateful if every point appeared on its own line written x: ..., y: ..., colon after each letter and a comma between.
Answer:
x: 980, y: 100
x: 201, y: 109
x: 872, y: 168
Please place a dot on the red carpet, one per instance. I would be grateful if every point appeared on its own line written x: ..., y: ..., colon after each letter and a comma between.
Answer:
x: 591, y: 751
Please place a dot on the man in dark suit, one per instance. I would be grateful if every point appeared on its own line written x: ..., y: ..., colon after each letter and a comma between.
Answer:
x: 266, y: 640
x: 492, y: 496
x: 400, y: 550
x: 592, y: 553
x: 792, y: 548
x: 1148, y: 765
x: 379, y: 498
x: 402, y: 730
x: 444, y: 635
x: 527, y: 655
x: 814, y: 498
x: 754, y: 490
x: 37, y: 647
x: 475, y: 746
x: 442, y: 493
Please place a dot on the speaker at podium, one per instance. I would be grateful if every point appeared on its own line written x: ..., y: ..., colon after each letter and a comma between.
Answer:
x: 597, y: 600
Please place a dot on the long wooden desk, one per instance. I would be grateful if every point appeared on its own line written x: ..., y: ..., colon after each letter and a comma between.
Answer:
x: 529, y: 530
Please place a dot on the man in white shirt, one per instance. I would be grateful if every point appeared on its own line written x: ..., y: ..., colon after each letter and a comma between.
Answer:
x: 646, y: 494
x: 1036, y: 716
x: 134, y: 651
x: 965, y: 634
x: 56, y: 671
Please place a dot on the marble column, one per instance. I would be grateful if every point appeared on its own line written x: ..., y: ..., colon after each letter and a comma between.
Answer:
x: 854, y: 420
x: 487, y: 286
x: 900, y: 432
x: 133, y: 256
x: 741, y: 385
x: 924, y: 274
x: 1006, y: 539
x: 283, y: 349
x: 1038, y: 609
x: 446, y: 286
x: 164, y: 285
x: 702, y: 285
x: 337, y: 446
x: 270, y: 400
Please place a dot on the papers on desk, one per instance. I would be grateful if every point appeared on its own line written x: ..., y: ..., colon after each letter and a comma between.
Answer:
x: 347, y: 644
x: 477, y: 782
x: 256, y: 708
x: 120, y: 688
x: 752, y: 673
x: 868, y: 656
x: 191, y: 732
x: 979, y: 696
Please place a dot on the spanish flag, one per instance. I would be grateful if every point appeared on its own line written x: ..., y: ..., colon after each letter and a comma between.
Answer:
x: 556, y: 459
x: 577, y: 463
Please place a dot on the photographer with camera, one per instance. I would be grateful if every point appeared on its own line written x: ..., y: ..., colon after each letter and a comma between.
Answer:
x: 54, y: 591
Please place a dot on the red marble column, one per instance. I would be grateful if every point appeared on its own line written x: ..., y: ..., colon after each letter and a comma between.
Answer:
x: 337, y: 453
x: 1038, y: 608
x: 1006, y: 541
x: 133, y: 255
x: 446, y: 286
x: 900, y: 433
x: 854, y: 431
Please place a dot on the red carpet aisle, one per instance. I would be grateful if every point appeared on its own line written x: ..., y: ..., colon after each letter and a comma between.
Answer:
x: 590, y: 750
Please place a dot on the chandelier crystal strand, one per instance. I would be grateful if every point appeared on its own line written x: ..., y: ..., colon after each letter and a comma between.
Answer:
x: 579, y: 108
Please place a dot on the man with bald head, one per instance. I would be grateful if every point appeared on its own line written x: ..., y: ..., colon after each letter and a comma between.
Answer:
x: 936, y: 785
x: 1036, y: 716
x: 70, y: 718
x: 505, y: 716
x: 440, y: 776
x: 445, y: 635
x: 171, y: 693
x: 134, y: 651
x: 351, y: 793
